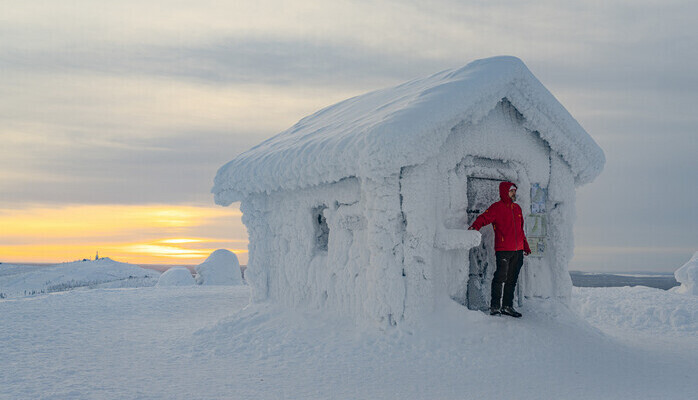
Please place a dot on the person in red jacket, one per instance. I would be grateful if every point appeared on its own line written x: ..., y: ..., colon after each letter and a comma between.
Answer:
x: 510, y: 246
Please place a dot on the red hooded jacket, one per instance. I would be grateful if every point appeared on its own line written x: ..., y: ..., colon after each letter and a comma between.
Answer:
x: 507, y: 220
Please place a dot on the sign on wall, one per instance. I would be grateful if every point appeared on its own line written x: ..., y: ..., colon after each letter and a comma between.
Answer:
x: 537, y: 221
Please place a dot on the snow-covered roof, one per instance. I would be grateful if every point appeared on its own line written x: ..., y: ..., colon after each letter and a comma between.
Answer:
x: 377, y: 133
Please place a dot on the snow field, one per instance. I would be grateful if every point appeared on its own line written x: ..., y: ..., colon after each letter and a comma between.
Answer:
x: 160, y: 343
x: 108, y: 343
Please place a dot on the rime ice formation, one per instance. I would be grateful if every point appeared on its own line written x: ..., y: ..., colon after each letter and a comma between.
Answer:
x: 362, y: 207
x: 220, y: 268
x: 176, y: 276
x: 687, y: 276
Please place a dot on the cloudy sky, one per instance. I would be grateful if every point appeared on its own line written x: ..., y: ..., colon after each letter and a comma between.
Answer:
x: 115, y: 116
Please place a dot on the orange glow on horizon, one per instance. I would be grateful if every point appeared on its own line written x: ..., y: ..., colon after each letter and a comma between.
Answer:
x: 138, y: 234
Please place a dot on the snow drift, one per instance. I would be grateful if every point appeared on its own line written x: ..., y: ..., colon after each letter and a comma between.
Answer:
x: 638, y: 309
x: 220, y: 268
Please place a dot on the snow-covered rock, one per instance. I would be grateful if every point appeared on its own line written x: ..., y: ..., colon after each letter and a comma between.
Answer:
x: 103, y: 272
x: 220, y: 268
x: 176, y: 276
x: 687, y: 276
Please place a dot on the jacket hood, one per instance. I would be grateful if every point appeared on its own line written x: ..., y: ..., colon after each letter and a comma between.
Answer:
x: 504, y: 191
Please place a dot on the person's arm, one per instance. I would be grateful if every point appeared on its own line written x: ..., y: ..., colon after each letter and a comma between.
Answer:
x: 483, y: 219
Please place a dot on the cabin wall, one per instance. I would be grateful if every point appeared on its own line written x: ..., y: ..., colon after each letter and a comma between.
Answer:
x: 358, y: 273
x: 417, y: 186
x: 286, y: 262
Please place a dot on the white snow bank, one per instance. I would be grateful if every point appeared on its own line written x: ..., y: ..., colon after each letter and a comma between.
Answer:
x: 220, y: 268
x: 176, y: 276
x: 66, y: 276
x: 687, y: 276
x: 638, y: 309
x: 377, y: 133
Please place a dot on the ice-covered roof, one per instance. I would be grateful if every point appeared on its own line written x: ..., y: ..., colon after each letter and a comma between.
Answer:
x: 377, y: 133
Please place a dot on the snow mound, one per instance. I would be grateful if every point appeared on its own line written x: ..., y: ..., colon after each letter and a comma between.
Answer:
x: 377, y: 133
x: 78, y: 274
x: 687, y: 276
x: 176, y: 276
x: 220, y: 268
x: 638, y: 309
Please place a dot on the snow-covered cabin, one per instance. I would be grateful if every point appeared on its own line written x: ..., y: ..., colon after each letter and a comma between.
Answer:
x: 363, y: 207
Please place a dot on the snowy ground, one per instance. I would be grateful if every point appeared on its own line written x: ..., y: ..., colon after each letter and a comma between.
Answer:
x: 195, y: 343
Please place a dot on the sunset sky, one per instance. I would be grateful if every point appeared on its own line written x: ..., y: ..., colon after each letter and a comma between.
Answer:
x: 115, y: 116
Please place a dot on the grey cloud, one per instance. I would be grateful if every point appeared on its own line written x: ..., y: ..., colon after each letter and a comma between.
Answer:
x: 234, y: 60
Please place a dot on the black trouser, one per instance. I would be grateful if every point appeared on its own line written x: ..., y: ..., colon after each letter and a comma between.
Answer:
x: 508, y: 266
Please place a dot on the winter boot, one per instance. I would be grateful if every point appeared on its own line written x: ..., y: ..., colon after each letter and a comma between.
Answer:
x: 509, y: 310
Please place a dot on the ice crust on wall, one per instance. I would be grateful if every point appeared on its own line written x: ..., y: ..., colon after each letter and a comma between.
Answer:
x: 220, y: 268
x: 375, y: 134
x: 687, y: 276
x: 176, y: 276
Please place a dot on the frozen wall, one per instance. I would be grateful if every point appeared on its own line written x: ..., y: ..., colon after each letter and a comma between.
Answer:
x: 288, y: 265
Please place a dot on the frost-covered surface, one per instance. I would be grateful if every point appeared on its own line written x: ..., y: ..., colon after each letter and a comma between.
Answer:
x: 139, y: 343
x: 375, y: 134
x: 29, y: 280
x: 687, y: 276
x: 176, y: 276
x: 220, y: 268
